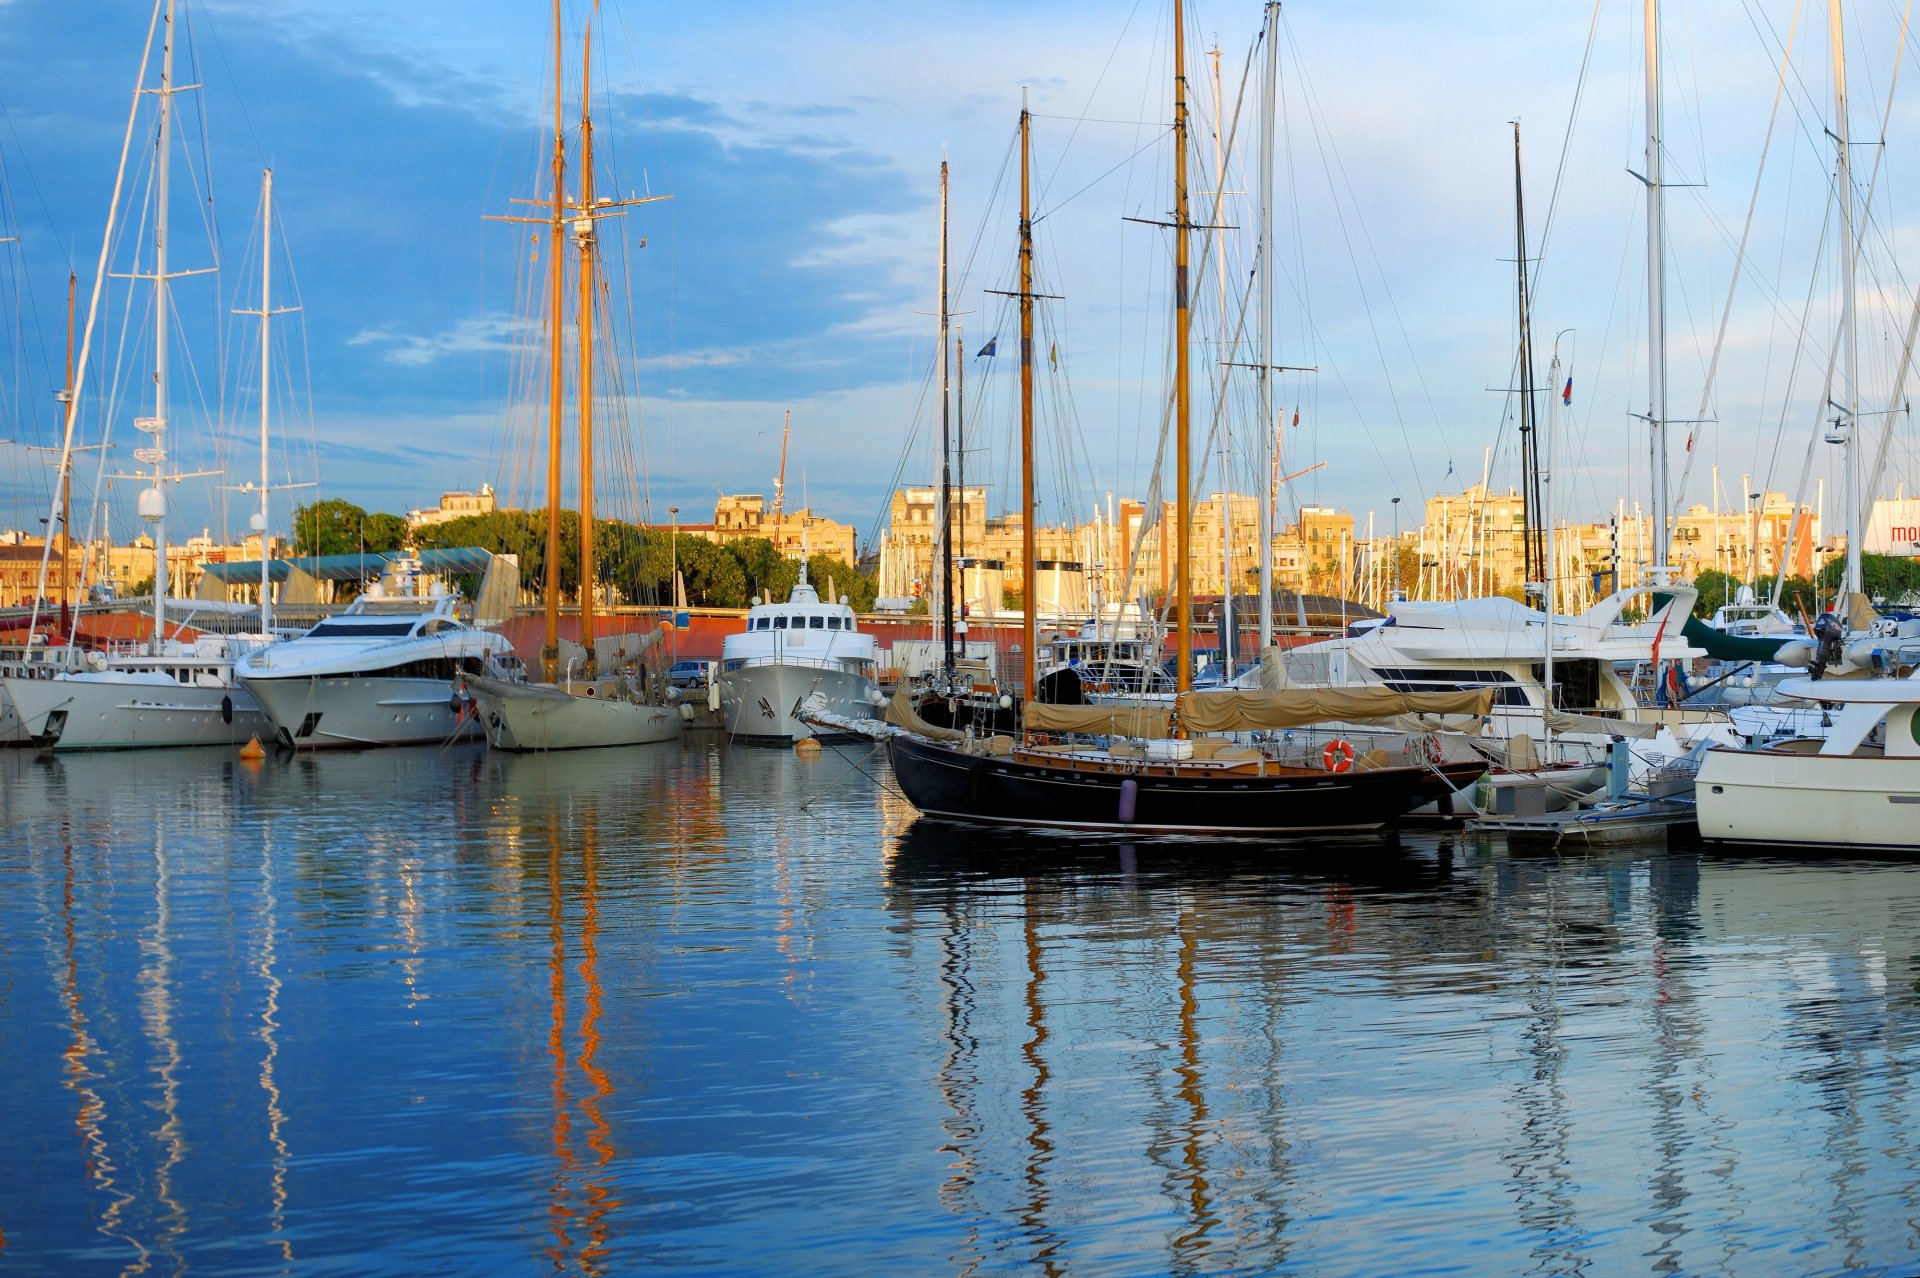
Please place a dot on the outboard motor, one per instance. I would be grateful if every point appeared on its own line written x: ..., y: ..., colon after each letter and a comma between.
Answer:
x: 1827, y: 634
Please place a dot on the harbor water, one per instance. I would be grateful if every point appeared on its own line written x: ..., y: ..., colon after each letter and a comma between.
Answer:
x: 712, y: 1011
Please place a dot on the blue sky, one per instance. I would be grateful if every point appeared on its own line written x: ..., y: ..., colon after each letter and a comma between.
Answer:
x: 794, y: 266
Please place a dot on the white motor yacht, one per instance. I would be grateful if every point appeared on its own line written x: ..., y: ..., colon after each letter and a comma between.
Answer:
x: 380, y: 673
x: 1501, y: 644
x: 1858, y: 788
x: 789, y: 652
x: 184, y: 694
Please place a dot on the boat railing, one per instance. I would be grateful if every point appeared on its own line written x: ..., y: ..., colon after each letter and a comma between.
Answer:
x: 855, y: 665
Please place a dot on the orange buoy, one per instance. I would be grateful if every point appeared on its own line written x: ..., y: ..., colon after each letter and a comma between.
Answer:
x: 252, y: 749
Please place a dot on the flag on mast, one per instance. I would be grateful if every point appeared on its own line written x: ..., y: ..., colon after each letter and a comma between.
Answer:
x: 987, y: 351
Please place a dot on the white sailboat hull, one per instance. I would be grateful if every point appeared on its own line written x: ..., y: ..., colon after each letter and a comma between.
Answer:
x: 356, y: 711
x: 535, y: 716
x: 111, y: 711
x: 761, y: 702
x: 1808, y: 800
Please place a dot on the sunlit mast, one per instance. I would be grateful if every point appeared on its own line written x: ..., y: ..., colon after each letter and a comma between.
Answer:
x: 556, y: 272
x: 266, y: 313
x: 583, y: 324
x: 1849, y: 432
x: 1182, y: 325
x: 1656, y: 303
x: 1029, y: 572
x: 1269, y: 459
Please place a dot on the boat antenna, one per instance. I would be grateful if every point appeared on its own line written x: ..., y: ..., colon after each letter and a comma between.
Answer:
x: 780, y: 480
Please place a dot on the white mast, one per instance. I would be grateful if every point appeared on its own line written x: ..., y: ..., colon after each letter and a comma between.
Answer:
x: 1268, y: 92
x: 266, y: 314
x: 1848, y: 428
x: 1656, y: 303
x: 153, y: 501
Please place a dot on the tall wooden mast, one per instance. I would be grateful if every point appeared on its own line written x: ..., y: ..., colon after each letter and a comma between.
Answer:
x: 1182, y: 326
x: 583, y: 325
x: 556, y: 273
x: 1029, y: 572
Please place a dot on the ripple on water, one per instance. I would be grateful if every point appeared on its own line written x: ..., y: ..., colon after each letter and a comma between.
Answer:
x: 730, y: 1011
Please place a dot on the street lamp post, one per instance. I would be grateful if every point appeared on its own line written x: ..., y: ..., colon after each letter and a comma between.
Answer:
x: 673, y: 577
x: 1396, y: 547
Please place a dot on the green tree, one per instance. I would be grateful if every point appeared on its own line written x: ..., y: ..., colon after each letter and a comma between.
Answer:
x: 1717, y: 590
x: 847, y: 580
x: 1799, y: 597
x: 336, y: 526
x: 1889, y: 578
x: 714, y: 577
x: 768, y: 573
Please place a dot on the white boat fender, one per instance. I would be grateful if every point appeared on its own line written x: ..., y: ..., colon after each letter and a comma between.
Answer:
x: 1129, y: 801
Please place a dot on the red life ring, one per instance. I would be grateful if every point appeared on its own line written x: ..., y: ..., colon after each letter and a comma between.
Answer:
x: 1337, y: 757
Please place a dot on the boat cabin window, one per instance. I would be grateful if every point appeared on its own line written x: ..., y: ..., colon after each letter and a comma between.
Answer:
x: 779, y: 623
x: 817, y: 623
x: 833, y: 623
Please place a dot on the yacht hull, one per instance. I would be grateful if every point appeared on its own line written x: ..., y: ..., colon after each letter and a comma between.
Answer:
x: 102, y: 712
x: 761, y: 702
x: 1777, y: 799
x: 533, y: 716
x: 356, y: 711
x: 998, y: 790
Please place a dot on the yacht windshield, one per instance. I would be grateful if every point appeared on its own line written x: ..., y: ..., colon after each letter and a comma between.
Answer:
x: 359, y: 629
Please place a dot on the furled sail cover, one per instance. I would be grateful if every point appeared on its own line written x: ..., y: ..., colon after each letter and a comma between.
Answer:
x: 1106, y: 721
x: 1300, y: 707
x: 901, y: 714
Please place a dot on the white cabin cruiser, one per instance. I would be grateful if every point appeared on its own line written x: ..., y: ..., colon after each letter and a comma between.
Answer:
x: 1859, y: 788
x: 789, y: 652
x: 380, y: 673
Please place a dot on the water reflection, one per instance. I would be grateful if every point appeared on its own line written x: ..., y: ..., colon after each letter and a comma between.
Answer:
x: 732, y: 1011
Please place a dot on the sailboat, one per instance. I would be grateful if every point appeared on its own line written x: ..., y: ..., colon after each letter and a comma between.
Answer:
x: 596, y: 693
x: 180, y: 691
x: 1853, y: 781
x: 1152, y: 767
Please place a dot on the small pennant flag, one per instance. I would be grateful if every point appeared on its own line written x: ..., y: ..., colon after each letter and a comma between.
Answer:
x: 1053, y: 355
x: 1566, y: 393
x: 988, y: 351
x: 1689, y: 441
x: 1296, y: 416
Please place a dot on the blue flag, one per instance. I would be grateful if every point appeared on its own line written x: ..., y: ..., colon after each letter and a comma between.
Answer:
x: 987, y: 351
